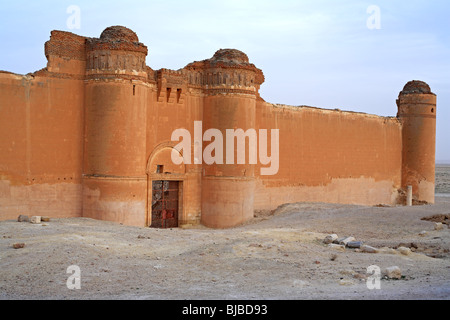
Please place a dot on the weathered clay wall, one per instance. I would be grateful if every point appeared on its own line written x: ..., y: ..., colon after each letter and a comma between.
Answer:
x: 41, y: 130
x: 330, y: 156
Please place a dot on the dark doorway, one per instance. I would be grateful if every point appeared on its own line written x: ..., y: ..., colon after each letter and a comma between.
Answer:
x: 165, y: 204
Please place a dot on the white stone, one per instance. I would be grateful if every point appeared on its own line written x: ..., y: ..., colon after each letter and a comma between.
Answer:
x: 35, y: 219
x: 438, y: 226
x: 347, y: 240
x: 368, y: 249
x: 394, y: 272
x: 405, y: 251
x: 330, y: 238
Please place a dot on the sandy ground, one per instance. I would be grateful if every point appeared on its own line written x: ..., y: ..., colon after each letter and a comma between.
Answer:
x: 274, y: 257
x: 279, y: 255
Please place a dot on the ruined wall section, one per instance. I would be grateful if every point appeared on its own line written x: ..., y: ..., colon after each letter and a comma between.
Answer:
x: 42, y: 128
x: 330, y: 156
x: 66, y: 55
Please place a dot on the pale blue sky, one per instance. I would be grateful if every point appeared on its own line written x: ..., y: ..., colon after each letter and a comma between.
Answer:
x: 317, y: 53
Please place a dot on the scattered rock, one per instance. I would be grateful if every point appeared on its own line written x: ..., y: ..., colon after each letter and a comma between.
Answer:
x: 18, y: 245
x: 354, y: 244
x: 338, y: 241
x: 23, y: 218
x: 346, y: 282
x: 438, y: 226
x: 443, y: 218
x: 422, y: 233
x: 348, y: 272
x: 368, y: 249
x: 333, y: 257
x: 394, y: 272
x: 338, y: 247
x: 35, y: 219
x: 410, y: 245
x: 405, y: 251
x: 387, y: 250
x: 45, y: 219
x: 330, y: 238
x: 347, y: 240
x: 360, y: 276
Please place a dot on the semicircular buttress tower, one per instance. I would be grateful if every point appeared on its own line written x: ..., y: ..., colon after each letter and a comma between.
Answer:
x: 114, y: 179
x: 417, y: 113
x: 230, y: 84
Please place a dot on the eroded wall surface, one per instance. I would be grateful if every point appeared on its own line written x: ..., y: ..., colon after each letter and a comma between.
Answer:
x: 41, y: 130
x: 331, y: 156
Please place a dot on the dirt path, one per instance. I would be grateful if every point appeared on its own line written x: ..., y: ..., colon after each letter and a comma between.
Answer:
x: 273, y: 257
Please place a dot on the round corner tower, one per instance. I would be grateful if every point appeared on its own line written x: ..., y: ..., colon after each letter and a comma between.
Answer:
x: 230, y: 85
x: 417, y: 113
x: 114, y: 179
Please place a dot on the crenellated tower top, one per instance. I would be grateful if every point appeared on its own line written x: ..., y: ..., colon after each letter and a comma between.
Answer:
x: 228, y: 71
x: 116, y: 54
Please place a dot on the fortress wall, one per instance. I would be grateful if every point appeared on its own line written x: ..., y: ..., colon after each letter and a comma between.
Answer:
x: 164, y: 118
x: 88, y: 134
x: 330, y: 156
x: 41, y: 134
x: 166, y: 114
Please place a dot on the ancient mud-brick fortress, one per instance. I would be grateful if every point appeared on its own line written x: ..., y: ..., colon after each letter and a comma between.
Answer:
x: 90, y: 136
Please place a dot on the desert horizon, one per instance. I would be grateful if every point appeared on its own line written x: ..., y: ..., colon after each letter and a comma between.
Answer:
x: 442, y: 180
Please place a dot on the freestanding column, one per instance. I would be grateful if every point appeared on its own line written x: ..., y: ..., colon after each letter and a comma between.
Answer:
x: 417, y: 113
x: 114, y: 180
x: 409, y: 196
